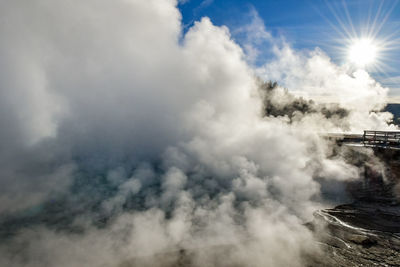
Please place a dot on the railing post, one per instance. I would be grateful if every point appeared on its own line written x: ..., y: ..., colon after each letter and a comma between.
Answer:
x: 386, y: 138
x: 365, y: 132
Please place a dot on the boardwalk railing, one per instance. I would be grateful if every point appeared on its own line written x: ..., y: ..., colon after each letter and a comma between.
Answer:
x: 378, y: 139
x: 381, y: 138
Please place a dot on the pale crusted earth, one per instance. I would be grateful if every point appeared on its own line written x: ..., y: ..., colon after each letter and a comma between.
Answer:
x: 364, y: 233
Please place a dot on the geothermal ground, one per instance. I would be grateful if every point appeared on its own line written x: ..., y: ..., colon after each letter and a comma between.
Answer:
x: 365, y: 232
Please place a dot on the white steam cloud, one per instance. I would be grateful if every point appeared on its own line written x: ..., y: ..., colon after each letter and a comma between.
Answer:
x: 107, y: 108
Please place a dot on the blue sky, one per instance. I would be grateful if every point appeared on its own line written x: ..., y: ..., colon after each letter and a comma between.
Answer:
x: 307, y: 24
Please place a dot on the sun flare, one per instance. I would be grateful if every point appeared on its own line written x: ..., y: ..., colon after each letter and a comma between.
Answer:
x: 362, y: 52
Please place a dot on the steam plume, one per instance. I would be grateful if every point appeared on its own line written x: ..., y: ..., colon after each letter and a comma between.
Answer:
x: 125, y: 142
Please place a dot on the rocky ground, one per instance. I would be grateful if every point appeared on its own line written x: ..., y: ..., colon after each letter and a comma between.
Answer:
x: 363, y: 233
x: 359, y: 235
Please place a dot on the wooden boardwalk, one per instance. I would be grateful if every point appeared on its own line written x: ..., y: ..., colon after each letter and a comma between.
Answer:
x: 378, y: 139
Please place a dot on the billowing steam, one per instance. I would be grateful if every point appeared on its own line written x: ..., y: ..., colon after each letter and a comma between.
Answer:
x: 126, y: 142
x: 295, y: 108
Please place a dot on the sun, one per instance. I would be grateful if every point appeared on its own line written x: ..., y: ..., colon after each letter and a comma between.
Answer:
x: 362, y: 52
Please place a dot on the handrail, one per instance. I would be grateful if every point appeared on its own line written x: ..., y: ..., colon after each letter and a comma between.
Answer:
x: 381, y: 138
